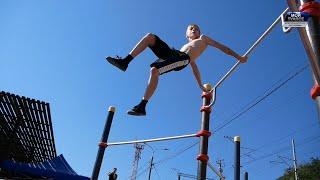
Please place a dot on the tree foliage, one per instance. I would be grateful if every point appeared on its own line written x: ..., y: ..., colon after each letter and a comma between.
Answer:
x: 308, y: 171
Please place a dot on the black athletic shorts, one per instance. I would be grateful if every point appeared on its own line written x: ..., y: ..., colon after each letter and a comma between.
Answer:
x: 169, y: 59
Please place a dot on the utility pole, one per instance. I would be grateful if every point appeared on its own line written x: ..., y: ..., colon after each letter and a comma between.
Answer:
x: 152, y: 158
x: 216, y: 171
x: 178, y: 172
x: 137, y: 157
x: 294, y: 160
x: 219, y: 162
x: 151, y: 166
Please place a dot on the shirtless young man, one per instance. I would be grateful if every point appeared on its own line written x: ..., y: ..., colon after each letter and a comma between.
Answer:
x: 170, y: 60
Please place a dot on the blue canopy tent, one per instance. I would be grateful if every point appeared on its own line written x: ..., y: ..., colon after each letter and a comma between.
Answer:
x: 56, y: 168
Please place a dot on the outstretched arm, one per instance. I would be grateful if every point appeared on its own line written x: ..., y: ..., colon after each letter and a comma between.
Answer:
x: 224, y: 49
x: 197, y: 75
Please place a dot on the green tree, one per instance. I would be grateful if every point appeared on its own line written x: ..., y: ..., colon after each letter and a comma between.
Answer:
x: 308, y: 171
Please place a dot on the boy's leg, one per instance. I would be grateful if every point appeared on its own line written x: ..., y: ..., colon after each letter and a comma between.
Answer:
x: 160, y: 66
x: 148, y: 40
x: 139, y: 110
x: 152, y: 83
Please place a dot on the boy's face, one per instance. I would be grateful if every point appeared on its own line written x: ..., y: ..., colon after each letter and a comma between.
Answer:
x: 193, y: 32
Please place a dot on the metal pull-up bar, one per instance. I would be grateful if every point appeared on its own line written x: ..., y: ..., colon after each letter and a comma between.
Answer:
x: 104, y: 138
x: 150, y: 140
x: 249, y: 51
x: 203, y: 134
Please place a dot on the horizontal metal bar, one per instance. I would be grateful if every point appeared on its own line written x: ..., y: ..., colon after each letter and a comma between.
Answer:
x: 249, y: 51
x: 284, y: 29
x: 152, y: 140
x: 265, y: 33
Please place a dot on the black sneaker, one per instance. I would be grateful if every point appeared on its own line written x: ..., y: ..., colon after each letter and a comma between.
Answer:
x: 118, y: 62
x: 137, y: 111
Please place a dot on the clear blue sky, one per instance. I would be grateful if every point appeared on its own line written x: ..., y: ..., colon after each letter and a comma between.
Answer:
x: 54, y: 51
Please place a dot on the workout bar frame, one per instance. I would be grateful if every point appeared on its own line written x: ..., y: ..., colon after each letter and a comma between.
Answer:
x: 105, y: 135
x: 205, y: 127
x: 151, y: 140
x: 310, y: 36
x: 249, y: 51
x: 307, y: 45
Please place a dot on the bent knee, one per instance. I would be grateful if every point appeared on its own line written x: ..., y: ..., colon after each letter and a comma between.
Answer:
x: 151, y: 38
x: 154, y: 71
x: 150, y: 35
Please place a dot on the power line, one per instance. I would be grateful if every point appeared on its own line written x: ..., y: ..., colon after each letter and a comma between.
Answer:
x: 157, y: 172
x: 288, y: 74
x: 169, y: 157
x: 142, y: 172
x: 306, y: 141
x: 177, y: 153
x: 281, y: 139
x: 261, y: 99
x: 260, y: 171
x: 145, y: 165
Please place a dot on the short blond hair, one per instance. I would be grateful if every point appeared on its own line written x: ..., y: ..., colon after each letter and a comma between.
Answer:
x: 191, y: 25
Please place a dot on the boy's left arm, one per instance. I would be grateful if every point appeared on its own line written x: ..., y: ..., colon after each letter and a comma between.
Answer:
x: 224, y: 48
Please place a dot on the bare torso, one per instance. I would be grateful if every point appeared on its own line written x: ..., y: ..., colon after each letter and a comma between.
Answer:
x: 194, y: 48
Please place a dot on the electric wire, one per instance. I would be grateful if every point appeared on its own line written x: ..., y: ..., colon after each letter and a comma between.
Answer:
x: 261, y: 99
x: 142, y: 172
x: 305, y: 141
x: 277, y: 141
x: 156, y: 172
x: 176, y: 154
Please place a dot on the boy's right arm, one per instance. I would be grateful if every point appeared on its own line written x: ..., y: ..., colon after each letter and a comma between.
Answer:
x: 197, y: 75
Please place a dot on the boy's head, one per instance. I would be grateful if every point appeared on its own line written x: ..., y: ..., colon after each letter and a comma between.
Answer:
x: 193, y: 32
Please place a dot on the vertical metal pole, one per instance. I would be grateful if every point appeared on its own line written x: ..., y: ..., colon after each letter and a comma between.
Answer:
x: 151, y: 165
x: 294, y: 160
x: 313, y: 32
x: 205, y: 119
x: 104, y: 138
x: 237, y: 158
x: 246, y: 176
x: 310, y: 37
